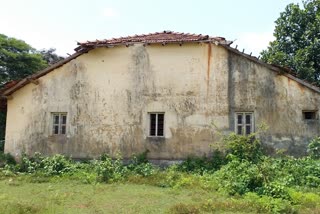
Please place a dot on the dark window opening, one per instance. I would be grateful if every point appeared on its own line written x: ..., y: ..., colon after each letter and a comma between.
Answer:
x: 309, y: 115
x: 156, y: 125
x: 244, y: 123
x: 59, y: 123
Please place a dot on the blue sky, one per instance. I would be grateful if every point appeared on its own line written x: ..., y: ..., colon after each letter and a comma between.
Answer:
x: 60, y: 23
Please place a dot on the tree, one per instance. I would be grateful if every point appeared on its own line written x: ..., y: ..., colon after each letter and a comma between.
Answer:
x: 50, y: 56
x: 18, y: 59
x: 297, y: 43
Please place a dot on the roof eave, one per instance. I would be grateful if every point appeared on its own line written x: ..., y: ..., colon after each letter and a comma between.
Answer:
x: 35, y: 76
x: 277, y: 69
x: 84, y: 49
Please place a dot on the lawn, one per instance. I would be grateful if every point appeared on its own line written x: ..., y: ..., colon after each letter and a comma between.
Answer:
x: 18, y: 195
x: 241, y: 180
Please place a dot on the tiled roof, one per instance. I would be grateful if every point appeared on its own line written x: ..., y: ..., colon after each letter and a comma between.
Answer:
x: 158, y: 37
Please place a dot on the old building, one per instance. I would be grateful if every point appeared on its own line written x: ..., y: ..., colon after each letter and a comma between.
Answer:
x: 162, y: 92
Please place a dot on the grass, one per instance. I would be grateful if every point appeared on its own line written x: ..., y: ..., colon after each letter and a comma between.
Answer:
x: 244, y: 181
x: 65, y: 196
x: 28, y: 194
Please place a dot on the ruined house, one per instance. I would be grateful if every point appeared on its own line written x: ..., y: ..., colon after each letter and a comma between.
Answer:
x: 169, y: 93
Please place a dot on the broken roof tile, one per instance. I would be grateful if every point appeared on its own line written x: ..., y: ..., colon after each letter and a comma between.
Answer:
x: 158, y: 37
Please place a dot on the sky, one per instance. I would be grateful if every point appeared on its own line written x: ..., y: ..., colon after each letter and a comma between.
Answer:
x: 60, y: 24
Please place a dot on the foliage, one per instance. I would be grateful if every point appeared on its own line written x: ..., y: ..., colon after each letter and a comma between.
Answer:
x: 204, y: 164
x: 55, y: 165
x: 270, y: 176
x: 50, y: 56
x: 18, y: 59
x: 258, y: 184
x: 239, y: 177
x: 297, y: 40
x: 243, y: 147
x: 314, y: 148
x: 109, y: 170
x: 6, y: 159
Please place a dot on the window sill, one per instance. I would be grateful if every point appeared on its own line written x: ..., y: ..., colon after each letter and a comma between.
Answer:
x: 156, y: 138
x: 58, y: 136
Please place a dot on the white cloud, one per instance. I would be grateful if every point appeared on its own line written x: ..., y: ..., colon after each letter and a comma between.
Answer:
x: 253, y: 42
x: 110, y: 12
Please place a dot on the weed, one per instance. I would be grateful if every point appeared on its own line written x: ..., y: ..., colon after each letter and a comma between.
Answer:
x: 314, y: 148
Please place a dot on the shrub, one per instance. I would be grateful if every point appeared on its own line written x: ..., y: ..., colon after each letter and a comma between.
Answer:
x: 194, y: 164
x: 144, y: 169
x: 6, y: 159
x: 314, y: 148
x: 267, y: 204
x: 239, y: 177
x: 109, y: 170
x: 56, y: 165
x: 243, y: 147
x: 275, y: 190
x: 200, y: 165
x: 30, y: 164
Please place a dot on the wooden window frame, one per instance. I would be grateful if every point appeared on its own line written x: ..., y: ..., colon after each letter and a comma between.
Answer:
x: 60, y: 123
x: 156, y: 124
x: 243, y: 124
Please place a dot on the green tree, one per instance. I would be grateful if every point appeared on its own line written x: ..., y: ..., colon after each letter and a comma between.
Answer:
x: 18, y: 59
x: 297, y: 41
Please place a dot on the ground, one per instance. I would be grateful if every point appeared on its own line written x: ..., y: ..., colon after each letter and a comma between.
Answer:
x: 20, y: 196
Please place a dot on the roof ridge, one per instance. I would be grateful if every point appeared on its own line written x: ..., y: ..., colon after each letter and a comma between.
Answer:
x: 156, y: 37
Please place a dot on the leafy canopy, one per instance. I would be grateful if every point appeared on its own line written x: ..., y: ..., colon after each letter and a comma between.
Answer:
x: 18, y: 59
x: 297, y: 43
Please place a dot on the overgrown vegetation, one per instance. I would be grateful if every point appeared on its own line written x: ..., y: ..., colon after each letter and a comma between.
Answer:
x: 240, y: 178
x: 297, y: 40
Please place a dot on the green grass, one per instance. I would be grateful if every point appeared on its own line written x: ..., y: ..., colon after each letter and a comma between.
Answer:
x: 63, y: 196
x: 25, y: 193
x: 57, y: 184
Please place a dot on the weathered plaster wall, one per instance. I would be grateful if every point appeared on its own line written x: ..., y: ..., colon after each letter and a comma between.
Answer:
x: 108, y: 92
x: 276, y: 101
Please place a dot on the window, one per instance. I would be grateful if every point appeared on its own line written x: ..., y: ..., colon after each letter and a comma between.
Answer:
x: 309, y: 115
x: 244, y: 123
x: 59, y: 123
x: 156, y: 124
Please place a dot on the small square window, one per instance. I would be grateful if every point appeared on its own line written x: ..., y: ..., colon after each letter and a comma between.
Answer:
x: 309, y: 115
x: 59, y: 123
x: 156, y: 128
x: 244, y: 123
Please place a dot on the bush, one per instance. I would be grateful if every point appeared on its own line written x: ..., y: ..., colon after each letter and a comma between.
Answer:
x: 30, y: 164
x: 314, y: 148
x: 239, y: 177
x: 243, y: 147
x: 6, y: 159
x: 201, y: 165
x: 109, y: 170
x: 57, y: 165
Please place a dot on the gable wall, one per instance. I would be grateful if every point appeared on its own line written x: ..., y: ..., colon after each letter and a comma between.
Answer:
x: 276, y: 101
x: 108, y: 92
